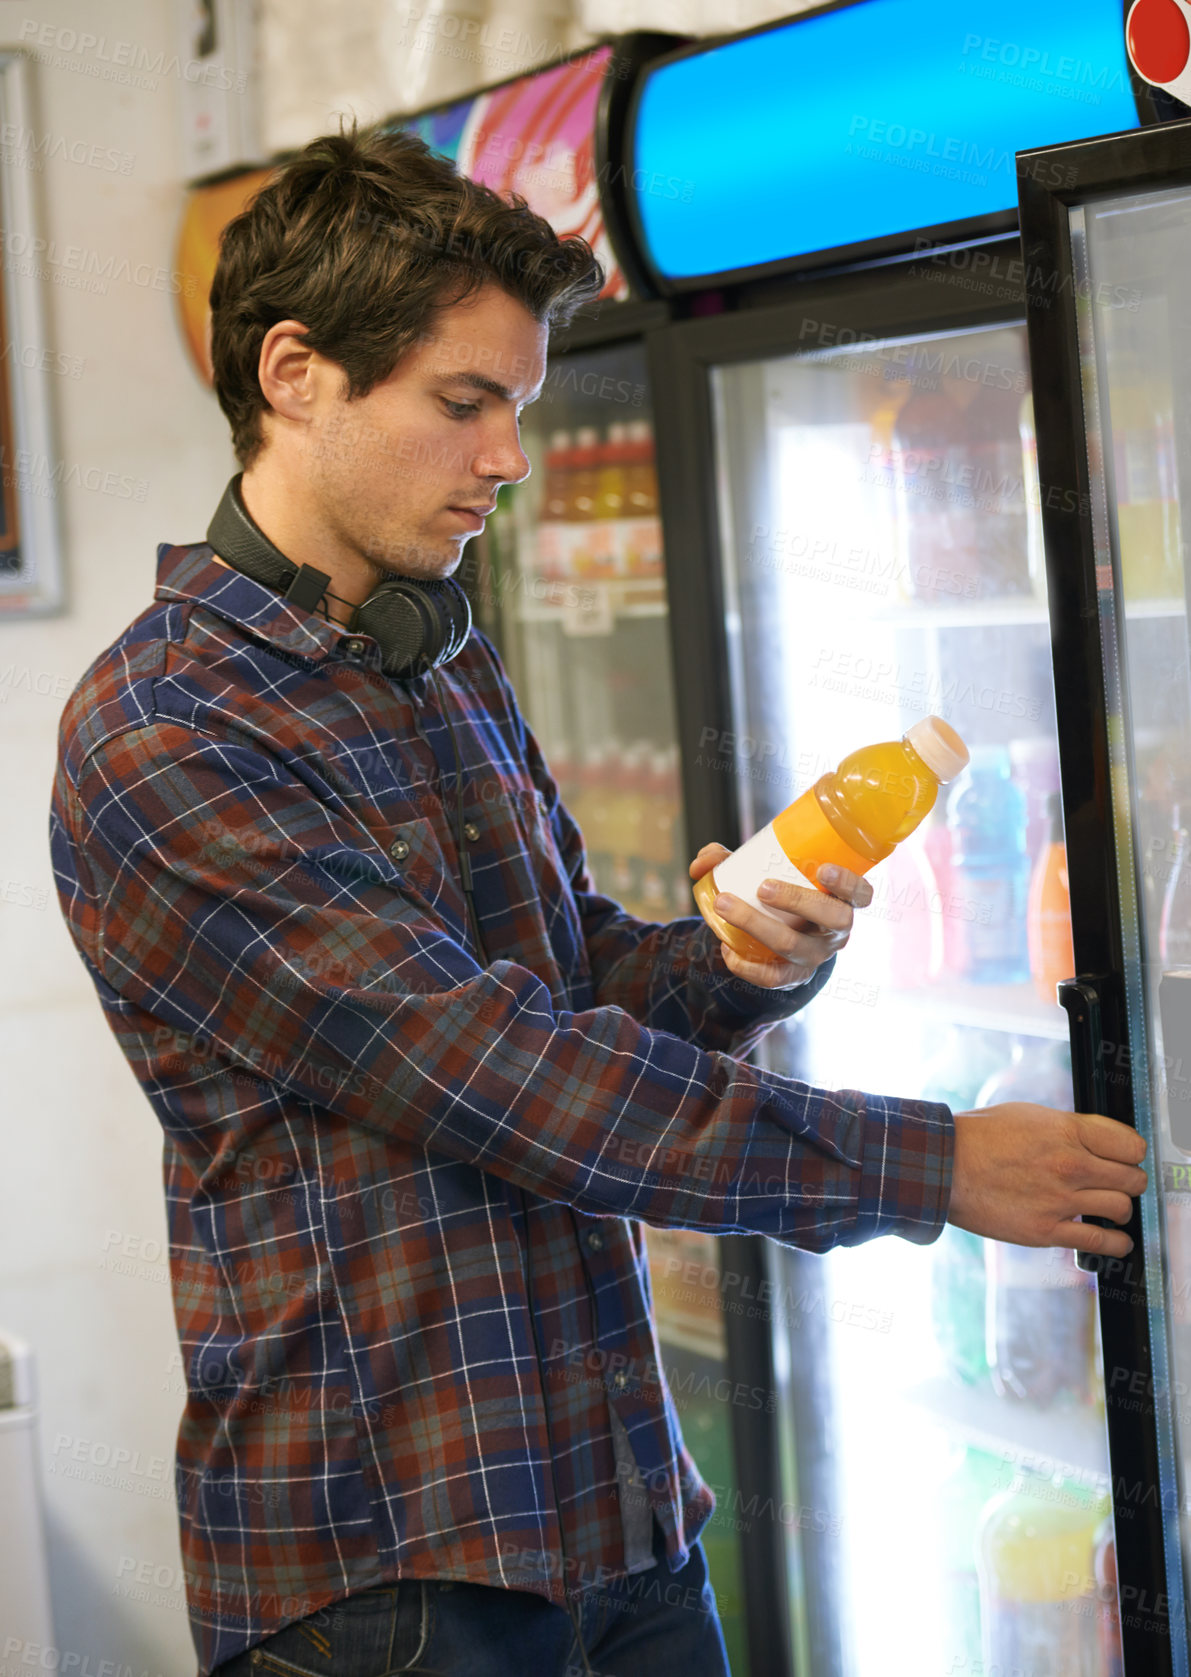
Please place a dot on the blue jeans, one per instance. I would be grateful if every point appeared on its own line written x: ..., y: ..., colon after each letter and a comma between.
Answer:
x: 656, y: 1623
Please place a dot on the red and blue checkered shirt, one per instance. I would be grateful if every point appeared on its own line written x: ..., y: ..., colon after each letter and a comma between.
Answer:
x: 253, y: 844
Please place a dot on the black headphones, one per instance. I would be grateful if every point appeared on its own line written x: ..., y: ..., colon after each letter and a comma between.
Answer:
x: 417, y: 623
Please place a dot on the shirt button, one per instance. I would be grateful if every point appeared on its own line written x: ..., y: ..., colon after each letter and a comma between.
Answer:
x: 620, y: 1380
x: 596, y: 1241
x: 470, y: 831
x: 399, y: 849
x: 353, y: 648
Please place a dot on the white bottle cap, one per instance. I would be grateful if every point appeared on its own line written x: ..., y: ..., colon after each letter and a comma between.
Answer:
x: 939, y: 746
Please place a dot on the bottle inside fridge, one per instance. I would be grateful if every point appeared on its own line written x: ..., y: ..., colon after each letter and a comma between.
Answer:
x: 1035, y: 1550
x: 987, y: 816
x: 1141, y: 413
x: 1052, y: 955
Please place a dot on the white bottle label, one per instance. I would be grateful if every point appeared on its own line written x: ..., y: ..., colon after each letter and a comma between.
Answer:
x: 760, y: 857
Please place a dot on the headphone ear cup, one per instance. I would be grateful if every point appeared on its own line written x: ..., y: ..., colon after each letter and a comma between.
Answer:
x: 454, y: 608
x: 417, y: 624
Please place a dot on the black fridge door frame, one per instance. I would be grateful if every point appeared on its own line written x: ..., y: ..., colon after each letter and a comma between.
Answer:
x: 948, y: 287
x: 1050, y: 181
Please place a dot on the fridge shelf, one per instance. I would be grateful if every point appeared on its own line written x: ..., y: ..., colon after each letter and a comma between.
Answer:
x: 1012, y: 1008
x: 977, y: 614
x: 1068, y: 1439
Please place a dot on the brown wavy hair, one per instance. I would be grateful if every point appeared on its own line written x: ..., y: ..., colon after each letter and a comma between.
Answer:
x: 364, y: 238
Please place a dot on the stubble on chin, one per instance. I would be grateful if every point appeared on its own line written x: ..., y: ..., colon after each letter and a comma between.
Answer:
x: 399, y: 555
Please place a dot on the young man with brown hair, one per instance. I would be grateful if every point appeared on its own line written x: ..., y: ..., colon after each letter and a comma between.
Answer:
x: 420, y: 1084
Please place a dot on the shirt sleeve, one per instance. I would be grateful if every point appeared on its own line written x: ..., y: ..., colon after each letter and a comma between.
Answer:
x: 669, y: 976
x: 224, y: 898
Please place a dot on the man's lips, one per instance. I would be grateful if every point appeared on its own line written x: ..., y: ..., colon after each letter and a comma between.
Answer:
x: 474, y: 515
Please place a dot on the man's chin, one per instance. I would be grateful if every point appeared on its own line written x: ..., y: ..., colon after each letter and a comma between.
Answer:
x: 425, y: 563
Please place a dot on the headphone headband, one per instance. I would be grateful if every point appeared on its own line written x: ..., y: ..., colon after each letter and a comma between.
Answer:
x: 418, y: 623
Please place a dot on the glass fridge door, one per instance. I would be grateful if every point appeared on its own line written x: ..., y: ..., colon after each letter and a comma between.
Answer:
x: 945, y: 1444
x: 1129, y: 254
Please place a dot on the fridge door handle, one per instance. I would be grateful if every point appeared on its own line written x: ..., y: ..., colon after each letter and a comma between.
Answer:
x: 1081, y: 999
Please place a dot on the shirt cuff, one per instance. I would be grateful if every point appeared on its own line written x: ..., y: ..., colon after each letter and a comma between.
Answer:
x: 906, y: 1155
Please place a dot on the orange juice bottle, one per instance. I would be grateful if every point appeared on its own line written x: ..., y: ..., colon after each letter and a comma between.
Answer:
x: 853, y: 817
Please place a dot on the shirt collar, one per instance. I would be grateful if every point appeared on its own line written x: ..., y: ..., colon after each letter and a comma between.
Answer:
x: 191, y: 573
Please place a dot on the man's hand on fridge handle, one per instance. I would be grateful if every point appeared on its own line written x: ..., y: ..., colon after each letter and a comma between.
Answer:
x: 813, y: 925
x: 1023, y: 1173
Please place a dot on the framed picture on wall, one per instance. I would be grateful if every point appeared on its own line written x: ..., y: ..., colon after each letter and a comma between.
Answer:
x: 30, y: 555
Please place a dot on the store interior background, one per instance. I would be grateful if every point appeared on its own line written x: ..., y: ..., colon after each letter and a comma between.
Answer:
x: 84, y: 1276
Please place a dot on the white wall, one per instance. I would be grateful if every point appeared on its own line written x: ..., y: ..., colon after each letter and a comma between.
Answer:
x: 376, y: 57
x: 82, y: 1147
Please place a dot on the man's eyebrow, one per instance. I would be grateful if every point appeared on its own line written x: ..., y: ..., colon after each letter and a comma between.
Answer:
x: 481, y: 381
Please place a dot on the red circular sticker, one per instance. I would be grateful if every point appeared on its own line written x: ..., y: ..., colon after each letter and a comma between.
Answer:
x: 1159, y: 40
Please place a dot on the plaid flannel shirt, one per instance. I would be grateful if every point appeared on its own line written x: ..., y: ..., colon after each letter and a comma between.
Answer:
x: 254, y: 849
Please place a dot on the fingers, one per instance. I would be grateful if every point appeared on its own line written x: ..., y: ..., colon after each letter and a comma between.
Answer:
x: 1110, y: 1140
x: 707, y: 859
x: 814, y: 909
x: 788, y: 942
x: 1090, y: 1237
x: 1098, y: 1203
x: 765, y: 974
x: 1092, y: 1172
x: 850, y: 886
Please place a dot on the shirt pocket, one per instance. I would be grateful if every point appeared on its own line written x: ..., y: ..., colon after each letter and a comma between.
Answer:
x: 424, y: 870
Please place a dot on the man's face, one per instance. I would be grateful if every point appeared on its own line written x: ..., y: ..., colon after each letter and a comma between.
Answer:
x: 390, y: 470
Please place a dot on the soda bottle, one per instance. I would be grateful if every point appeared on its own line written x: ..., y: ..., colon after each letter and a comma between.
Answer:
x: 643, y: 532
x: 853, y: 817
x: 1041, y: 1306
x: 581, y: 503
x: 973, y: 1477
x: 1034, y: 1554
x: 610, y: 468
x: 622, y: 823
x: 1034, y: 765
x: 943, y: 903
x: 641, y: 483
x: 1001, y: 526
x: 1052, y: 954
x: 990, y: 869
x: 556, y: 496
x: 958, y: 1294
x: 1141, y: 407
x: 938, y: 546
x: 553, y: 554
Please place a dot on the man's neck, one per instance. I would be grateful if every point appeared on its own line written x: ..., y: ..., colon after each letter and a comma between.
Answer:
x: 279, y: 517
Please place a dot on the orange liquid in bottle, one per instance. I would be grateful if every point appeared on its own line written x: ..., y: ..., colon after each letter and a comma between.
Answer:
x: 853, y: 817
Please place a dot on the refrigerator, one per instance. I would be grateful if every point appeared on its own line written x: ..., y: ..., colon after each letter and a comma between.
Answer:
x: 968, y: 1468
x: 569, y: 579
x: 1105, y: 246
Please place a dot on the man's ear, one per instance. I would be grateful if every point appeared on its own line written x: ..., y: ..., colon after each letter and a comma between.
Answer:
x: 290, y: 372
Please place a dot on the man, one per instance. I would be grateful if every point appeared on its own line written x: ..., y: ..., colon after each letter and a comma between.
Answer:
x: 409, y: 1140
